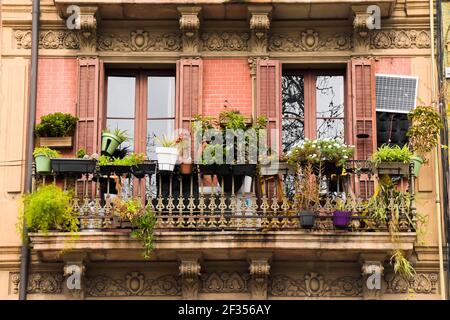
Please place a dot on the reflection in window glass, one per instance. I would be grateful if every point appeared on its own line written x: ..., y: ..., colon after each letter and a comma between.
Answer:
x: 161, y: 97
x: 330, y: 107
x: 293, y: 111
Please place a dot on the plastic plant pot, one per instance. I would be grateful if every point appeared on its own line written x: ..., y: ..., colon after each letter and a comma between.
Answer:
x: 417, y: 161
x: 167, y: 158
x: 72, y: 165
x: 43, y: 164
x: 341, y: 219
x: 110, y: 142
x: 307, y: 219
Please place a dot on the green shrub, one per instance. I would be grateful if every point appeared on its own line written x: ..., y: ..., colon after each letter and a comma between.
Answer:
x: 81, y: 153
x: 387, y: 153
x: 145, y: 225
x: 56, y: 125
x: 130, y: 160
x: 45, y: 151
x: 49, y: 208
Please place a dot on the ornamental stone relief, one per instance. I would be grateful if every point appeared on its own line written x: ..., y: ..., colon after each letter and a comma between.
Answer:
x: 39, y: 283
x: 225, y: 282
x: 139, y: 41
x: 421, y: 283
x: 400, y: 39
x: 309, y: 40
x: 315, y: 285
x: 132, y: 284
x: 51, y: 39
x: 225, y: 41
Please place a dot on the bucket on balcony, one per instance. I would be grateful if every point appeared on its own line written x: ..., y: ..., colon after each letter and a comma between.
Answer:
x: 43, y: 164
x: 110, y: 142
x: 417, y: 161
x: 167, y: 158
x: 247, y: 184
x: 307, y: 219
x: 341, y: 219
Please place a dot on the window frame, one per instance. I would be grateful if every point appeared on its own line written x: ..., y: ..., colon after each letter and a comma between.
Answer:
x: 141, y: 101
x: 310, y: 106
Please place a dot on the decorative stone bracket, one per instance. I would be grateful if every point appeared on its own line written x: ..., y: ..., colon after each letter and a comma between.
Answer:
x: 259, y: 26
x: 259, y: 271
x: 372, y: 273
x: 190, y: 26
x: 190, y: 274
x: 74, y: 272
x: 361, y: 31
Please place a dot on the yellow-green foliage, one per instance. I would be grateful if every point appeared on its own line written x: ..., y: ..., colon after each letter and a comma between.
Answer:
x: 49, y: 208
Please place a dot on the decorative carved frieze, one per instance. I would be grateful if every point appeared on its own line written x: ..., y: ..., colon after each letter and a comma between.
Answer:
x: 315, y: 285
x: 225, y: 282
x: 400, y: 39
x: 225, y: 41
x: 132, y: 284
x: 139, y: 41
x: 190, y: 26
x: 48, y: 39
x: 309, y: 40
x: 420, y: 283
x: 189, y: 272
x: 39, y: 283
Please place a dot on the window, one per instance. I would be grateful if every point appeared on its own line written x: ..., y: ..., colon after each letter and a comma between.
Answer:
x: 312, y: 106
x: 143, y: 103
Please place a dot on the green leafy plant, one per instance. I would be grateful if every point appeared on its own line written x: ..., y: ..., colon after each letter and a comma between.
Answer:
x: 81, y: 153
x: 317, y: 151
x: 121, y: 135
x: 129, y: 160
x: 388, y: 153
x: 232, y: 119
x: 56, y: 124
x: 203, y: 123
x: 49, y: 208
x: 167, y: 142
x: 47, y: 152
x: 424, y: 130
x: 401, y: 265
x: 145, y: 225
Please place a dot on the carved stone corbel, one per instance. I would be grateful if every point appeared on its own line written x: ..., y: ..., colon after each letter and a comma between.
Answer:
x: 88, y: 30
x: 190, y: 26
x: 361, y: 30
x: 259, y: 27
x: 259, y: 271
x: 372, y: 270
x: 189, y: 271
x: 74, y: 272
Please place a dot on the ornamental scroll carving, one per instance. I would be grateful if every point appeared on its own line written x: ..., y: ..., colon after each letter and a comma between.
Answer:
x: 400, y: 39
x: 309, y: 40
x: 225, y: 282
x: 132, y: 284
x: 225, y: 41
x: 50, y: 39
x: 39, y: 283
x: 421, y: 283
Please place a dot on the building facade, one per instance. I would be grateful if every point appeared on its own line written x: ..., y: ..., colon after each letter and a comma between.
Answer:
x: 149, y: 67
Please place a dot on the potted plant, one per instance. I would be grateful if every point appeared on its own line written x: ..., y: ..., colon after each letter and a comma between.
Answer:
x: 423, y: 133
x: 307, y: 195
x: 167, y: 153
x: 341, y: 217
x: 119, y: 166
x: 112, y: 139
x: 49, y: 208
x: 56, y: 130
x: 392, y: 159
x: 42, y: 157
x: 81, y: 164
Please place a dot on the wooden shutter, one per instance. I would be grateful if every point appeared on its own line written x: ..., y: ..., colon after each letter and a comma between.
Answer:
x: 363, y: 107
x: 87, y: 136
x: 268, y: 100
x: 189, y: 91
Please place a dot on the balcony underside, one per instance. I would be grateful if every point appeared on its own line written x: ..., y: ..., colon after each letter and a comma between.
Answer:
x: 230, y: 245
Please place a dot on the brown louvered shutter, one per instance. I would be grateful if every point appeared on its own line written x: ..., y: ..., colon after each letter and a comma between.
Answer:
x: 87, y: 136
x: 189, y: 93
x: 268, y: 100
x: 363, y: 107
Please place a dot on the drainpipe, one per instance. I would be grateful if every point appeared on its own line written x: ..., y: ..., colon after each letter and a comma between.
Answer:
x: 444, y: 131
x: 25, y: 252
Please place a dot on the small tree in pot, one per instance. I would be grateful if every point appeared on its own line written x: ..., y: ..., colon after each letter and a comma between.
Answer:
x: 307, y: 195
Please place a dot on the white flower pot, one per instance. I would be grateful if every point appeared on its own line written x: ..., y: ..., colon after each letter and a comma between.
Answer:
x: 247, y: 184
x: 167, y: 158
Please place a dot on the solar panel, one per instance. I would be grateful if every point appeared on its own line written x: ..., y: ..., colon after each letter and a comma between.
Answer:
x: 395, y: 93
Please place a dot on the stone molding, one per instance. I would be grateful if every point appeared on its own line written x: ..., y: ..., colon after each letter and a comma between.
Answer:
x: 39, y: 282
x: 189, y: 271
x: 225, y: 282
x: 190, y: 25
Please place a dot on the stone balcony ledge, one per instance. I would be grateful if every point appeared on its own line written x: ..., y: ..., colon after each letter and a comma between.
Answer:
x: 119, y: 246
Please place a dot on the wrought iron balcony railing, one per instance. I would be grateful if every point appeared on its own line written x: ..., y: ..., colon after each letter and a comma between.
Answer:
x: 200, y: 201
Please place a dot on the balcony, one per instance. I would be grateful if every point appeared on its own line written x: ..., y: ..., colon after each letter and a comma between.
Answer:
x: 221, y: 215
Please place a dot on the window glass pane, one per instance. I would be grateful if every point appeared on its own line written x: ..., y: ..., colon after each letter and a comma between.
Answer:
x: 330, y: 128
x: 158, y: 128
x: 161, y: 97
x: 121, y: 97
x: 293, y: 110
x: 127, y: 125
x: 330, y: 96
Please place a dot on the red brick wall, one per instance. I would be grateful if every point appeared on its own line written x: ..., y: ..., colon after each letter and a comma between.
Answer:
x: 226, y: 82
x: 400, y: 66
x: 57, y: 86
